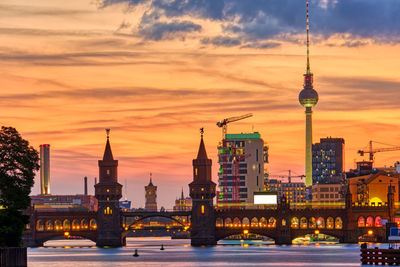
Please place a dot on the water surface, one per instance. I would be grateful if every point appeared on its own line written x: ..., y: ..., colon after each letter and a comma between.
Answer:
x: 83, y: 253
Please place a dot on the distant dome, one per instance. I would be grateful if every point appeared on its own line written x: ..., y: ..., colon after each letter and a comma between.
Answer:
x: 308, y: 97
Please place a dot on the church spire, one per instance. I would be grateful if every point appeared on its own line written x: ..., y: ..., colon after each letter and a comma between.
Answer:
x: 108, y: 156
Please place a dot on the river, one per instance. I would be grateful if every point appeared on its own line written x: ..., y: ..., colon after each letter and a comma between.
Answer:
x: 83, y: 253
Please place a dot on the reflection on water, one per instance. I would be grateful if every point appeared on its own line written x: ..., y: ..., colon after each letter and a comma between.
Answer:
x: 82, y: 253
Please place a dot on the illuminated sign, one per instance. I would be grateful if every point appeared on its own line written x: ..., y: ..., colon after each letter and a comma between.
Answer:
x: 265, y: 198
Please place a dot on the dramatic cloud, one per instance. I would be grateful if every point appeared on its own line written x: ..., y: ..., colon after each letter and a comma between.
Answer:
x: 262, y: 20
x: 167, y: 30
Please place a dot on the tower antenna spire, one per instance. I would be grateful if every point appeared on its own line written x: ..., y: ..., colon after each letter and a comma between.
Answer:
x: 308, y: 41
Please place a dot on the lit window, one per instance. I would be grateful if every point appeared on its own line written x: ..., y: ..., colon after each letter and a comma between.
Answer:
x: 202, y: 209
x: 195, y: 171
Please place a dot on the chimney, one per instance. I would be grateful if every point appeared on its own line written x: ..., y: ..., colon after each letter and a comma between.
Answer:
x: 85, y: 184
x: 45, y: 169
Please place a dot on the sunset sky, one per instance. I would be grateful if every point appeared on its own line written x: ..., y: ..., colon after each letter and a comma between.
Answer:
x: 155, y: 71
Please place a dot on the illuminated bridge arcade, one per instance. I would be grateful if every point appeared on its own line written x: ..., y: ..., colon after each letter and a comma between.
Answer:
x: 109, y: 226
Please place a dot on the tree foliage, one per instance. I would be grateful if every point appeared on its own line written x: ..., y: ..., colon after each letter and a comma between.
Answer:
x: 18, y: 163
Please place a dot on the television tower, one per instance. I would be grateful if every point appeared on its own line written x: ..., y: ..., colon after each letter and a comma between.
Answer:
x: 308, y: 98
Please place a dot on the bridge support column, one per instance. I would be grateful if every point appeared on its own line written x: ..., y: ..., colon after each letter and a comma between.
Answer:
x: 350, y: 236
x: 284, y: 238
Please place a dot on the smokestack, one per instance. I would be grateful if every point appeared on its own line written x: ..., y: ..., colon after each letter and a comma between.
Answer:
x: 45, y: 169
x: 85, y: 189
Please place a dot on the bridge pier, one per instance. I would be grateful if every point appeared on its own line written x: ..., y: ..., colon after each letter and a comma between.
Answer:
x: 283, y: 238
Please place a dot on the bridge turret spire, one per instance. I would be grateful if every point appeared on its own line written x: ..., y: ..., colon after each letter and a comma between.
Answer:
x: 202, y: 192
x: 108, y: 156
x: 108, y: 193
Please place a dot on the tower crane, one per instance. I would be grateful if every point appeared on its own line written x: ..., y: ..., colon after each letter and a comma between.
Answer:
x: 224, y: 123
x: 289, y: 177
x: 372, y: 151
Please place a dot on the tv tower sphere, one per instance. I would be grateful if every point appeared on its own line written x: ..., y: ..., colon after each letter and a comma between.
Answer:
x: 308, y: 97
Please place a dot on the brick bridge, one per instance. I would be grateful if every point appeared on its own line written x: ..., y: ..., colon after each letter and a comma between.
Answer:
x: 109, y: 225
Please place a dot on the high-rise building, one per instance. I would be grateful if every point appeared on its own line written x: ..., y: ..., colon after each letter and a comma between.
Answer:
x: 45, y: 169
x: 241, y: 173
x: 308, y: 98
x: 151, y: 196
x: 328, y: 160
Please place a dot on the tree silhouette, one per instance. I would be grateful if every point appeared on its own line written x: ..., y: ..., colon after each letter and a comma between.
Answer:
x: 18, y: 163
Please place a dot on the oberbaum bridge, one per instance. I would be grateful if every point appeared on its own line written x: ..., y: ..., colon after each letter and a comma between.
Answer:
x: 108, y: 226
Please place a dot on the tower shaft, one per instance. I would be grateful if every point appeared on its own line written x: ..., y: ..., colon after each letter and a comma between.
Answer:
x: 308, y: 146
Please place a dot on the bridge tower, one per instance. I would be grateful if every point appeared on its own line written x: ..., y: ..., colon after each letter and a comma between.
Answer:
x: 202, y: 192
x: 108, y: 192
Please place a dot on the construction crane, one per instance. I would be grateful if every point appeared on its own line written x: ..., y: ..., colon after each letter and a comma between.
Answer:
x: 372, y: 151
x: 224, y: 123
x: 289, y: 177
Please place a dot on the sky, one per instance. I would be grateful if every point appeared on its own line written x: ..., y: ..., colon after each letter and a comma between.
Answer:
x: 155, y: 71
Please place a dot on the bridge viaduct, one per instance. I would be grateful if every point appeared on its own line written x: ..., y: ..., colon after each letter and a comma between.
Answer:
x: 108, y: 226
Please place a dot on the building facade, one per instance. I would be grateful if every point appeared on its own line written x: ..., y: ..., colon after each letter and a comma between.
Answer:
x: 327, y: 160
x: 241, y: 159
x: 294, y: 192
x: 372, y: 189
x: 151, y: 196
x: 327, y: 194
x: 183, y: 203
x: 64, y: 202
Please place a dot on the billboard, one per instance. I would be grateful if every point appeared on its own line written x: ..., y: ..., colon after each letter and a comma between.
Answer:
x: 265, y: 198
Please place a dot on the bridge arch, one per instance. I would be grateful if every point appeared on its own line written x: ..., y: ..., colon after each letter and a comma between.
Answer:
x: 239, y: 231
x: 312, y: 223
x: 58, y: 225
x: 44, y: 237
x: 245, y: 222
x: 369, y: 222
x: 320, y: 223
x: 294, y: 222
x: 254, y: 222
x: 271, y: 222
x: 93, y: 224
x: 49, y: 225
x: 303, y: 223
x: 40, y: 225
x: 338, y: 223
x: 329, y: 223
x: 84, y: 224
x: 228, y: 222
x: 236, y: 222
x: 361, y: 221
x: 76, y: 224
x: 263, y: 222
x: 219, y: 222
x: 155, y: 215
x: 378, y: 221
x: 66, y: 225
